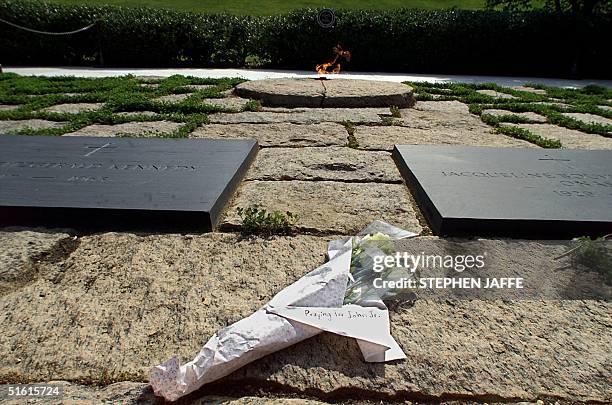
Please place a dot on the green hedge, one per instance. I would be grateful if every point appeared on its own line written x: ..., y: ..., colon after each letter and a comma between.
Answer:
x: 444, y: 41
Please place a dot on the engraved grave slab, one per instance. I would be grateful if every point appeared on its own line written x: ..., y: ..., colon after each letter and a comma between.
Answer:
x: 119, y: 183
x: 510, y: 191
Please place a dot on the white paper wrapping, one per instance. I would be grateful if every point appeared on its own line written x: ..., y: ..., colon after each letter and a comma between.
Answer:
x: 305, y: 308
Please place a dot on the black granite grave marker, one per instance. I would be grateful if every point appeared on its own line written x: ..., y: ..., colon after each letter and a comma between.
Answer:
x: 510, y: 191
x: 119, y: 183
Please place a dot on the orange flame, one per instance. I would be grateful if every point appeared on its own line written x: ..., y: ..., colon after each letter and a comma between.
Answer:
x: 334, y: 65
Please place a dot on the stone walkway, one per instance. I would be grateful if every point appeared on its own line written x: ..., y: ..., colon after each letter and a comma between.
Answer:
x: 101, y: 309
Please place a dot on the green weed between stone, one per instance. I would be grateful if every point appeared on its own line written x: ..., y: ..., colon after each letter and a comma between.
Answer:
x: 258, y: 221
x: 252, y: 105
x: 387, y: 121
x: 350, y: 129
x: 352, y: 142
x: 119, y: 94
x: 594, y: 254
x: 395, y: 111
x: 585, y: 100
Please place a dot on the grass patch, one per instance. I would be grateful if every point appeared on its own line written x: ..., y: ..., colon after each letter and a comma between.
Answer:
x: 423, y: 97
x: 572, y: 123
x: 494, y: 120
x: 521, y: 133
x: 118, y: 94
x: 585, y: 100
x: 258, y: 221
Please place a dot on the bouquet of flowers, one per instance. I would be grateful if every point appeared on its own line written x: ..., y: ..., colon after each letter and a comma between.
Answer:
x: 335, y: 298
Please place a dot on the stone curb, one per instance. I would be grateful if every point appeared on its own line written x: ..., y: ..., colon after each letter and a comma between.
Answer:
x: 332, y: 93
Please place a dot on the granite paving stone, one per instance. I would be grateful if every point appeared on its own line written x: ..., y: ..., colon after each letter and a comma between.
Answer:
x: 318, y: 164
x: 199, y: 86
x: 11, y: 126
x: 552, y: 104
x: 7, y: 107
x: 529, y: 89
x: 21, y: 249
x: 537, y: 118
x: 329, y: 206
x: 135, y: 128
x: 436, y: 119
x: 120, y: 303
x: 232, y: 103
x: 173, y: 98
x: 516, y: 350
x: 589, y: 118
x: 303, y: 116
x: 570, y: 138
x: 384, y: 138
x: 279, y: 134
x: 127, y: 392
x: 451, y: 106
x: 74, y: 108
x: 495, y: 94
x: 134, y: 113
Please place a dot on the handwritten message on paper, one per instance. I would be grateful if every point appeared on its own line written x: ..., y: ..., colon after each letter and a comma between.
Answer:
x: 366, y: 323
x: 333, y: 315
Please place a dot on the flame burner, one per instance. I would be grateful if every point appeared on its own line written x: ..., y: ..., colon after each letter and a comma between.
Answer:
x: 326, y: 92
x: 334, y: 66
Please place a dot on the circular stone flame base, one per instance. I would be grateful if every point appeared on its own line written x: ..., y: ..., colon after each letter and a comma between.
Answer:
x: 327, y: 92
